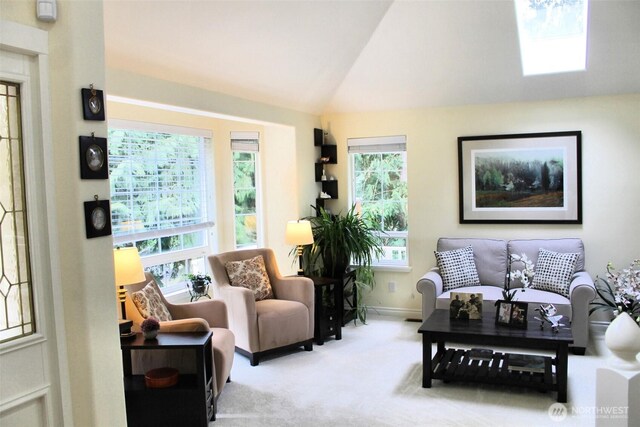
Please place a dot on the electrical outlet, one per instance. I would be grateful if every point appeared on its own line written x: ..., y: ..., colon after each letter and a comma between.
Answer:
x: 392, y: 286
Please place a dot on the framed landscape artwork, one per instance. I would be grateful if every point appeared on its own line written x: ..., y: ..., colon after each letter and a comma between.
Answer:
x: 520, y: 178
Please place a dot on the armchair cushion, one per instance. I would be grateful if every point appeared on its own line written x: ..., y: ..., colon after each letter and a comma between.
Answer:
x: 457, y: 268
x: 149, y: 303
x: 554, y: 271
x: 251, y: 274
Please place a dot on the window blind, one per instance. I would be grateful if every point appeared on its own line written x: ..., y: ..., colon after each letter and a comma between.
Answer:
x: 245, y: 141
x: 378, y: 144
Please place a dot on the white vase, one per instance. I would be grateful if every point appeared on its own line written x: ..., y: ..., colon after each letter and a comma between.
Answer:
x: 623, y: 339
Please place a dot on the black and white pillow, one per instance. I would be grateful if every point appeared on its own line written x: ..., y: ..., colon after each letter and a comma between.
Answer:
x: 553, y: 271
x: 457, y: 268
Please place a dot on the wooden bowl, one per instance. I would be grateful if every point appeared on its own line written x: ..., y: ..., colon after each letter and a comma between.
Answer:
x: 161, y: 378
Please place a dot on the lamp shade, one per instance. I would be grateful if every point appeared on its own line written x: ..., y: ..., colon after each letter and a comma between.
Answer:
x: 299, y: 233
x: 128, y: 266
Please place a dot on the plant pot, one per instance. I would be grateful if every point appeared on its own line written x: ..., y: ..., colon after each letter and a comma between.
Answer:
x: 199, y: 287
x: 149, y: 335
x: 623, y: 339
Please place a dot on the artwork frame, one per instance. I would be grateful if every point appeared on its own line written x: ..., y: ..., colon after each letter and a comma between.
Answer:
x: 465, y: 305
x: 92, y: 104
x: 97, y: 218
x: 520, y: 178
x: 94, y: 158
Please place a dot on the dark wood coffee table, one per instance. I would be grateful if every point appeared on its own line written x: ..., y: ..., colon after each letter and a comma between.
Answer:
x: 451, y: 364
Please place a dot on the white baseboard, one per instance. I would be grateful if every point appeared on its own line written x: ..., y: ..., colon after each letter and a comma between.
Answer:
x: 406, y: 313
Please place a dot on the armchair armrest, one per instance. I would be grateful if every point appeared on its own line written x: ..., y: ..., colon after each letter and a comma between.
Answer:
x: 430, y: 286
x: 299, y: 289
x: 214, y: 311
x: 184, y: 325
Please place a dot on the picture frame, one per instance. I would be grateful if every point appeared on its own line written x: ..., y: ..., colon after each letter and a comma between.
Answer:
x: 97, y: 218
x: 520, y: 178
x: 94, y: 158
x: 465, y: 306
x: 512, y: 314
x: 519, y: 314
x: 92, y: 104
x: 503, y: 313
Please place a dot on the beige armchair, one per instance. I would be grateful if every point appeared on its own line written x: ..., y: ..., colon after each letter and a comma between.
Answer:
x: 261, y: 327
x: 188, y: 317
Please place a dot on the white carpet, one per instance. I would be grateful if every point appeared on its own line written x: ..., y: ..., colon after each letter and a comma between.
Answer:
x: 373, y: 377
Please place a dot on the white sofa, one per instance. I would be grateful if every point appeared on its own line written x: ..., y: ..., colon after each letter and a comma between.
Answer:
x: 491, y: 258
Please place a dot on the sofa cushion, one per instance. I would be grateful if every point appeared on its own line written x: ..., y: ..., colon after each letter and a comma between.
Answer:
x: 149, y: 303
x: 251, y: 274
x: 457, y: 268
x: 490, y: 256
x: 553, y: 271
x: 530, y: 247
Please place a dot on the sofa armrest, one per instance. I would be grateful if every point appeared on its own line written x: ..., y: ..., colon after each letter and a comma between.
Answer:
x: 430, y: 286
x: 581, y: 292
x: 214, y: 311
x: 582, y: 288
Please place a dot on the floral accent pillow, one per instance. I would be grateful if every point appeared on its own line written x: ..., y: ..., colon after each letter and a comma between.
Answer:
x: 251, y: 274
x: 150, y: 303
x: 554, y: 271
x: 457, y: 268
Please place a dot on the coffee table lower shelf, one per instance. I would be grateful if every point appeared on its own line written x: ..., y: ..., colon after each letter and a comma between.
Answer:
x: 451, y: 364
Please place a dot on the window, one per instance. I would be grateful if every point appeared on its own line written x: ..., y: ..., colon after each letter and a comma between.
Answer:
x: 161, y: 197
x: 244, y: 148
x: 379, y: 187
x: 16, y: 304
x: 553, y: 35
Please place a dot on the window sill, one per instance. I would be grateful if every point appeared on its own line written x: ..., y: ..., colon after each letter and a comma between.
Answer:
x: 394, y: 268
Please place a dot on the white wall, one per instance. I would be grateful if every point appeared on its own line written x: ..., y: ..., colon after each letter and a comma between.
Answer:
x: 611, y: 189
x: 76, y: 59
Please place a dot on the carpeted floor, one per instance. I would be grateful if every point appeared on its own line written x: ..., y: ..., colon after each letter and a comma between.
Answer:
x: 372, y: 377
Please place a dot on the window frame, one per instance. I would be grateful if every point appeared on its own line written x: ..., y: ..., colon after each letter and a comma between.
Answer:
x: 207, y: 226
x: 379, y: 145
x: 247, y: 142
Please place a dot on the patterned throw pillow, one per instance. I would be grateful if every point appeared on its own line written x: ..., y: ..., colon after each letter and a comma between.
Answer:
x: 150, y: 303
x: 554, y: 271
x: 251, y: 274
x: 457, y: 268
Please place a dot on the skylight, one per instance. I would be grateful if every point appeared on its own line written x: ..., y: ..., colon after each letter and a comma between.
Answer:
x: 553, y: 35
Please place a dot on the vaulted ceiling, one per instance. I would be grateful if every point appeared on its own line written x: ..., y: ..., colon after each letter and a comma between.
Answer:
x: 346, y: 56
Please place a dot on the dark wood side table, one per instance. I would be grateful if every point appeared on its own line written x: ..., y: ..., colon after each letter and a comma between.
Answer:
x: 190, y: 402
x: 329, y: 306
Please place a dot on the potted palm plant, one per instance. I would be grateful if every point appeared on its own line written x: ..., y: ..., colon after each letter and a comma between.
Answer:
x: 340, y: 241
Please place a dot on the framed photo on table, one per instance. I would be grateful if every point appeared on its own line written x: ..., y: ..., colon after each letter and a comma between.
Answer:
x: 520, y: 178
x: 512, y: 314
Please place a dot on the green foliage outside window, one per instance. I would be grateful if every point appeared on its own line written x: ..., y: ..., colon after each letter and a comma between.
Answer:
x: 245, y: 193
x: 380, y: 186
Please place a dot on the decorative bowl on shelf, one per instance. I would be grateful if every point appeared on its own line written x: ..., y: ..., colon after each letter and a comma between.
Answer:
x: 161, y: 378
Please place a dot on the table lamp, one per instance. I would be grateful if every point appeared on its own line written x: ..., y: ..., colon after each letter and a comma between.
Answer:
x: 299, y: 233
x: 128, y: 268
